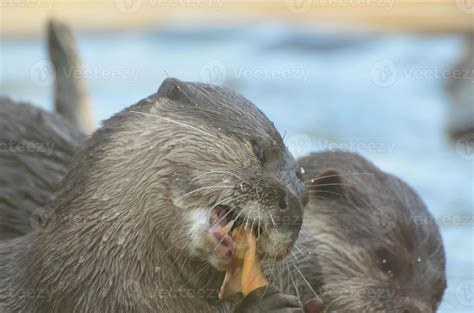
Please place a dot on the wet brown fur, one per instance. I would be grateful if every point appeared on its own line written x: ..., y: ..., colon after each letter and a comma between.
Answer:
x: 368, y: 243
x: 116, y: 238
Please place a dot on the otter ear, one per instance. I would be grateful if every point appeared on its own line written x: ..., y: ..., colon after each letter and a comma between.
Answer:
x: 329, y: 184
x: 175, y: 89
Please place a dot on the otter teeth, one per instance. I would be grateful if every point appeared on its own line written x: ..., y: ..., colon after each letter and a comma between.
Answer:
x: 226, y: 216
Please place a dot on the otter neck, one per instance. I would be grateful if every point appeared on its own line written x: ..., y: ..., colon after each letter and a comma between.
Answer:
x: 117, y: 250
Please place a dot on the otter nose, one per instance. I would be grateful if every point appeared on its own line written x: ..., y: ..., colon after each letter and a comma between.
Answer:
x: 290, y: 211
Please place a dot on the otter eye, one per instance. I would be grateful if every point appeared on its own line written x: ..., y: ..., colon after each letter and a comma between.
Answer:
x: 259, y: 153
x: 386, y: 267
x: 300, y: 173
x: 385, y: 263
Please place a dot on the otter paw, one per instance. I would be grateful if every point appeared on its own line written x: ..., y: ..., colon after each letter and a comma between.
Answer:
x: 268, y: 299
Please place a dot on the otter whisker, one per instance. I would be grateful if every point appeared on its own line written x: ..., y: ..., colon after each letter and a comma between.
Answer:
x: 293, y: 281
x: 335, y: 175
x: 302, y: 254
x: 332, y: 184
x: 225, y: 234
x: 231, y: 209
x: 315, y: 294
x: 282, y: 272
x: 284, y: 266
x: 273, y: 220
x: 196, y: 275
x: 176, y: 260
x: 225, y: 215
x: 325, y: 191
x: 217, y: 172
x: 228, y: 230
x: 204, y: 188
x: 246, y: 222
x: 177, y: 123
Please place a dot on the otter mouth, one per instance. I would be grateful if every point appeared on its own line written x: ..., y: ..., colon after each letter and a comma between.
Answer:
x: 224, y: 220
x: 237, y: 239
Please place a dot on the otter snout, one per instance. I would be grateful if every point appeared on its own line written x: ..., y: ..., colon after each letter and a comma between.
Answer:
x: 277, y: 201
x: 278, y: 210
x: 290, y: 213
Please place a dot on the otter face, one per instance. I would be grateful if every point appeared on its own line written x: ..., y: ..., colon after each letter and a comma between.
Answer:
x: 373, y: 245
x: 227, y: 164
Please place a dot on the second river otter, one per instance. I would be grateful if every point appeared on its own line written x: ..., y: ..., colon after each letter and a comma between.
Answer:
x: 368, y: 243
x: 136, y: 220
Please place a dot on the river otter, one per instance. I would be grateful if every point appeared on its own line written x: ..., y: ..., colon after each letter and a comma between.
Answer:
x: 134, y: 221
x: 368, y: 243
x: 36, y: 148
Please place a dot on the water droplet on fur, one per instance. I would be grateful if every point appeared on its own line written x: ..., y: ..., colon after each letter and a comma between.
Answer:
x: 390, y: 274
x: 418, y: 260
x: 106, y: 198
x: 81, y: 259
x: 157, y: 269
x: 105, y: 237
x: 302, y: 171
x: 384, y: 261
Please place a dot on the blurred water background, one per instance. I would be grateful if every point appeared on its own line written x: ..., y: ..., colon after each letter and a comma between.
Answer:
x: 380, y: 96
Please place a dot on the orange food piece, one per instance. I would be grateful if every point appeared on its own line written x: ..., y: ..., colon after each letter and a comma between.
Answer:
x: 244, y: 274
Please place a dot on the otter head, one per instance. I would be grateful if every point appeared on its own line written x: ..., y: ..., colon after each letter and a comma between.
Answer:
x: 228, y: 165
x: 200, y: 157
x: 374, y: 247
